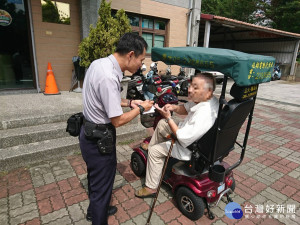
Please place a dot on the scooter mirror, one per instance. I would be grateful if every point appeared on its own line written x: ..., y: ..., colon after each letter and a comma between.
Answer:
x: 144, y: 67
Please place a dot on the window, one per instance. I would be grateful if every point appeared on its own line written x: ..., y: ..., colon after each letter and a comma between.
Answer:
x: 153, y: 30
x: 55, y: 12
x: 134, y: 21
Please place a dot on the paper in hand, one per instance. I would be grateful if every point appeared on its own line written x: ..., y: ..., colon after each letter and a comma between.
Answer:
x: 152, y: 110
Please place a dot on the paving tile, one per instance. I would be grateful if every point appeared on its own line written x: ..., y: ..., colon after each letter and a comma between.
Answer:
x: 62, y: 170
x: 122, y: 215
x: 15, y: 201
x: 54, y: 216
x: 295, y: 173
x: 294, y: 157
x: 24, y: 217
x: 22, y: 210
x: 18, y: 180
x: 82, y: 222
x: 64, y: 220
x: 78, y: 164
x: 84, y: 205
x: 126, y: 171
x: 164, y: 207
x: 4, y: 218
x: 44, y: 206
x: 34, y: 221
x: 55, y: 192
x: 274, y: 195
x: 3, y: 205
x: 128, y: 222
x: 138, y: 209
x: 170, y: 215
x: 75, y: 212
x: 140, y: 219
x: 282, y: 152
x: 41, y: 175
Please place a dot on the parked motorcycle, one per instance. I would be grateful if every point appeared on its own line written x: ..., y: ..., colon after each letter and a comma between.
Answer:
x: 181, y: 74
x: 135, y: 85
x: 276, y: 75
x: 151, y: 81
x: 153, y: 67
x: 183, y: 83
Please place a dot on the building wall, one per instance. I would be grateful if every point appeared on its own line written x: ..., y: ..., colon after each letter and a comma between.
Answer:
x: 283, y: 51
x: 57, y: 44
x: 180, y: 3
x: 177, y: 27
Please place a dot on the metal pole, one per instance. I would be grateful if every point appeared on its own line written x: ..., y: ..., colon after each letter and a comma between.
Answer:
x: 206, y: 34
x: 33, y: 48
x: 188, y: 38
x: 293, y: 72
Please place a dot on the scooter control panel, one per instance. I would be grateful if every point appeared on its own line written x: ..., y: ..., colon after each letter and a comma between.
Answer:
x: 169, y: 98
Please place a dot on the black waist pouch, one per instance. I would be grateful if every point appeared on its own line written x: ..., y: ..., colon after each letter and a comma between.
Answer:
x: 74, y: 124
x: 104, y: 135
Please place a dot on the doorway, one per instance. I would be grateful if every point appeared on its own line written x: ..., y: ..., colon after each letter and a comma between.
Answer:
x: 16, y: 62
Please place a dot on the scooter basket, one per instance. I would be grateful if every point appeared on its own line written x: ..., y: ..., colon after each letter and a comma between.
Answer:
x: 217, y: 173
x: 147, y: 120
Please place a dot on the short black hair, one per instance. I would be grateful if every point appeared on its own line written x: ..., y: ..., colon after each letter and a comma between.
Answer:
x: 131, y: 42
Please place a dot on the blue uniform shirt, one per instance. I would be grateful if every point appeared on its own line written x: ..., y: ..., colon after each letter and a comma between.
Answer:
x: 102, y: 90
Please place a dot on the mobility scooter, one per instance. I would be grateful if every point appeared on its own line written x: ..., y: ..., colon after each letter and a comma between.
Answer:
x: 201, y: 182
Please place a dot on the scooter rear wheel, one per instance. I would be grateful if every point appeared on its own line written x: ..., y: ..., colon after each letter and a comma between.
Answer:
x: 191, y: 205
x: 137, y: 164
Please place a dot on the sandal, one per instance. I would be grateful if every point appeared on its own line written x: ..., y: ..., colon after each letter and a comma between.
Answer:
x: 144, y: 193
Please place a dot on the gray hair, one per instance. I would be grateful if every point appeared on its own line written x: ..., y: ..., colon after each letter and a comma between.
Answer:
x: 210, y: 81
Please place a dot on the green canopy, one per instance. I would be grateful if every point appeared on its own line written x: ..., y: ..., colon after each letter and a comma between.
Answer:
x: 245, y: 69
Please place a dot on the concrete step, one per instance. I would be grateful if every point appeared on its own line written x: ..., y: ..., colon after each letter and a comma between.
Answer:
x: 30, y: 153
x: 130, y: 132
x: 26, y: 135
x: 33, y: 120
x: 22, y: 155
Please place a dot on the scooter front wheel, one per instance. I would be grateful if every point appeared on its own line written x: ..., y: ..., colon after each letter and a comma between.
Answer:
x: 191, y: 205
x: 137, y: 165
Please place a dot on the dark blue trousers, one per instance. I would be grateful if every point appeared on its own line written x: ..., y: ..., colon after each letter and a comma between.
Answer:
x: 101, y: 170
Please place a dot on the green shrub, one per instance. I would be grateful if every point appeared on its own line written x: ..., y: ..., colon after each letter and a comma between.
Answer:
x: 103, y: 38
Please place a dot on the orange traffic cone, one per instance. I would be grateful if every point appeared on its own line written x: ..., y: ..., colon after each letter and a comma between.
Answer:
x: 51, y: 87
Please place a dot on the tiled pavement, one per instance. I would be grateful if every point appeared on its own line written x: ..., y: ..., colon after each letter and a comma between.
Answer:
x: 267, y: 184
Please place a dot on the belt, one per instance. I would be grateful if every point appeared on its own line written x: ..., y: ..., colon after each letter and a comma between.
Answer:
x: 99, y: 126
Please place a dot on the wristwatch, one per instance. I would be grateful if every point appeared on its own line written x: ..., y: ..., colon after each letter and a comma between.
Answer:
x: 142, y: 109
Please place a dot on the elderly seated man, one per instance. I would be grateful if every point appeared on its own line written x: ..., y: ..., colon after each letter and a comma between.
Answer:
x: 201, y: 111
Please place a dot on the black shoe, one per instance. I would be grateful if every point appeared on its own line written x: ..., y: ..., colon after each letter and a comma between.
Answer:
x: 111, y: 211
x: 89, y: 217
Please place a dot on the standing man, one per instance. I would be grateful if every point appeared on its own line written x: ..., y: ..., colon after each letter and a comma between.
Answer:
x: 102, y: 110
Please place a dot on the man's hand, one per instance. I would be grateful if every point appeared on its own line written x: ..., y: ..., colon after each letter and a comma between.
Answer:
x: 170, y: 107
x: 135, y: 103
x: 179, y: 109
x: 163, y: 111
x: 147, y: 104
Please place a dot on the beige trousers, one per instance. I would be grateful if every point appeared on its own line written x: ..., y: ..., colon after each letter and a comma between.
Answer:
x: 157, y: 152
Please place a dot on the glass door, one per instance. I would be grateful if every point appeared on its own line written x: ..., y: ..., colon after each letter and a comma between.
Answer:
x: 16, y: 71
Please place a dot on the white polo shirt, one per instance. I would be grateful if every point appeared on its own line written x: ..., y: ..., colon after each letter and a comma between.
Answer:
x: 199, y: 120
